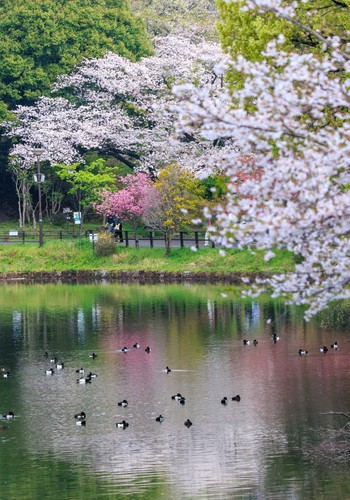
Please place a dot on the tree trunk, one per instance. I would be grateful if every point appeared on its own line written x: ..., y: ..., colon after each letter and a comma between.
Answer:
x: 134, y: 225
x: 167, y: 244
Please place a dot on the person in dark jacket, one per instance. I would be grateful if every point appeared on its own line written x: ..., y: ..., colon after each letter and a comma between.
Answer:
x: 118, y: 229
x: 111, y: 221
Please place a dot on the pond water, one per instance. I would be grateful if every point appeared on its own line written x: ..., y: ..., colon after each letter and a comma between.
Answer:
x: 257, y: 448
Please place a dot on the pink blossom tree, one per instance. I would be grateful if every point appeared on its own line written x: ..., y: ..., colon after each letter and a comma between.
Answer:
x: 130, y: 203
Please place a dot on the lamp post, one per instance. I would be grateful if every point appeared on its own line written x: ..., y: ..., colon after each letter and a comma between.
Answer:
x: 39, y: 178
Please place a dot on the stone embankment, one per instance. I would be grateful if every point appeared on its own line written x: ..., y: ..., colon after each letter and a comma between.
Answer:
x: 139, y: 277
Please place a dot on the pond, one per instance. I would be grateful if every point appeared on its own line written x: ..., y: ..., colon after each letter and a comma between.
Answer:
x: 258, y: 448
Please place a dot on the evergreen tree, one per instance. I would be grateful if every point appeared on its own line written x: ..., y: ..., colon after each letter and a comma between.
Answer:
x: 41, y: 40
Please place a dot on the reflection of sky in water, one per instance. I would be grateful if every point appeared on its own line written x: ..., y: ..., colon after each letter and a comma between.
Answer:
x: 230, y: 450
x: 17, y: 323
x: 252, y: 316
x: 81, y: 323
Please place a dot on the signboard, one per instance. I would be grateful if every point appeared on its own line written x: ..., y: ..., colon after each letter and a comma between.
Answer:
x: 77, y: 215
x: 67, y: 210
x: 95, y: 236
x: 76, y: 220
x: 13, y: 233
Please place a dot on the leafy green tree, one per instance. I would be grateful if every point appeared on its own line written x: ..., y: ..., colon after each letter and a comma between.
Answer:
x: 41, y: 40
x: 248, y: 32
x: 86, y: 181
x: 178, y: 199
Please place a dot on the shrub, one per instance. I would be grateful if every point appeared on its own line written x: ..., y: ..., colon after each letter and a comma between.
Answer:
x: 105, y: 245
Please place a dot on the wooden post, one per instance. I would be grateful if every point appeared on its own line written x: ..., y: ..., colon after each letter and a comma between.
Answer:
x: 181, y: 239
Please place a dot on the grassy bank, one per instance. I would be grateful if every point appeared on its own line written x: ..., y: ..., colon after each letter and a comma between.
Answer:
x: 60, y: 256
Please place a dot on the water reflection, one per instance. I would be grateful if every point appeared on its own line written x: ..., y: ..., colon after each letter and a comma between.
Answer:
x: 251, y: 449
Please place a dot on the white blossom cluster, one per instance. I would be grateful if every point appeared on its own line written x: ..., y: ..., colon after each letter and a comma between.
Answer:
x: 293, y: 113
x: 123, y: 108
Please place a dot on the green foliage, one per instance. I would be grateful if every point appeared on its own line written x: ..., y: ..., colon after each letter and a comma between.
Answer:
x: 105, y: 245
x: 41, y: 40
x: 215, y: 186
x: 179, y: 201
x: 87, y: 180
x: 247, y: 33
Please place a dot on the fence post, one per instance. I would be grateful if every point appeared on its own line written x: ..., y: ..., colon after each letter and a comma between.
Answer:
x: 61, y: 235
x: 196, y: 239
x: 126, y: 238
x: 151, y: 239
x: 23, y: 237
x: 181, y: 239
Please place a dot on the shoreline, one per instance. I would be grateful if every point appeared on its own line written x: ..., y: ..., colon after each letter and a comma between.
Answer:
x: 135, y: 277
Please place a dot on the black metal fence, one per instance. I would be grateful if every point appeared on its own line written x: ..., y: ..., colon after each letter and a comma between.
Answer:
x: 152, y: 239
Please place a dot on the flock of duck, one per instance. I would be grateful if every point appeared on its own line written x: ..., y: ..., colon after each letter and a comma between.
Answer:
x: 80, y: 418
x: 324, y: 349
x: 302, y: 352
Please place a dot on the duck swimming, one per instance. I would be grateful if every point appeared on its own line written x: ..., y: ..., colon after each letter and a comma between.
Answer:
x: 167, y: 369
x: 80, y: 416
x: 160, y: 418
x: 177, y: 397
x: 122, y: 425
x: 224, y: 401
x: 9, y: 416
x: 60, y: 366
x: 246, y: 342
x: 123, y: 403
x: 188, y: 423
x: 83, y: 380
x: 49, y: 371
x: 303, y: 352
x: 335, y: 345
x: 324, y: 349
x: 148, y: 349
x: 92, y: 355
x: 136, y: 346
x: 236, y: 398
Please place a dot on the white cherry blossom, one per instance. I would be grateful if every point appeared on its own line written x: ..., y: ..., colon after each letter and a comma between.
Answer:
x: 298, y: 127
x: 123, y: 108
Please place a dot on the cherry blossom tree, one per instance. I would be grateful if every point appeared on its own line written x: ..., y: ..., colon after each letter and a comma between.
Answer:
x: 292, y: 112
x: 123, y: 109
x: 130, y: 203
